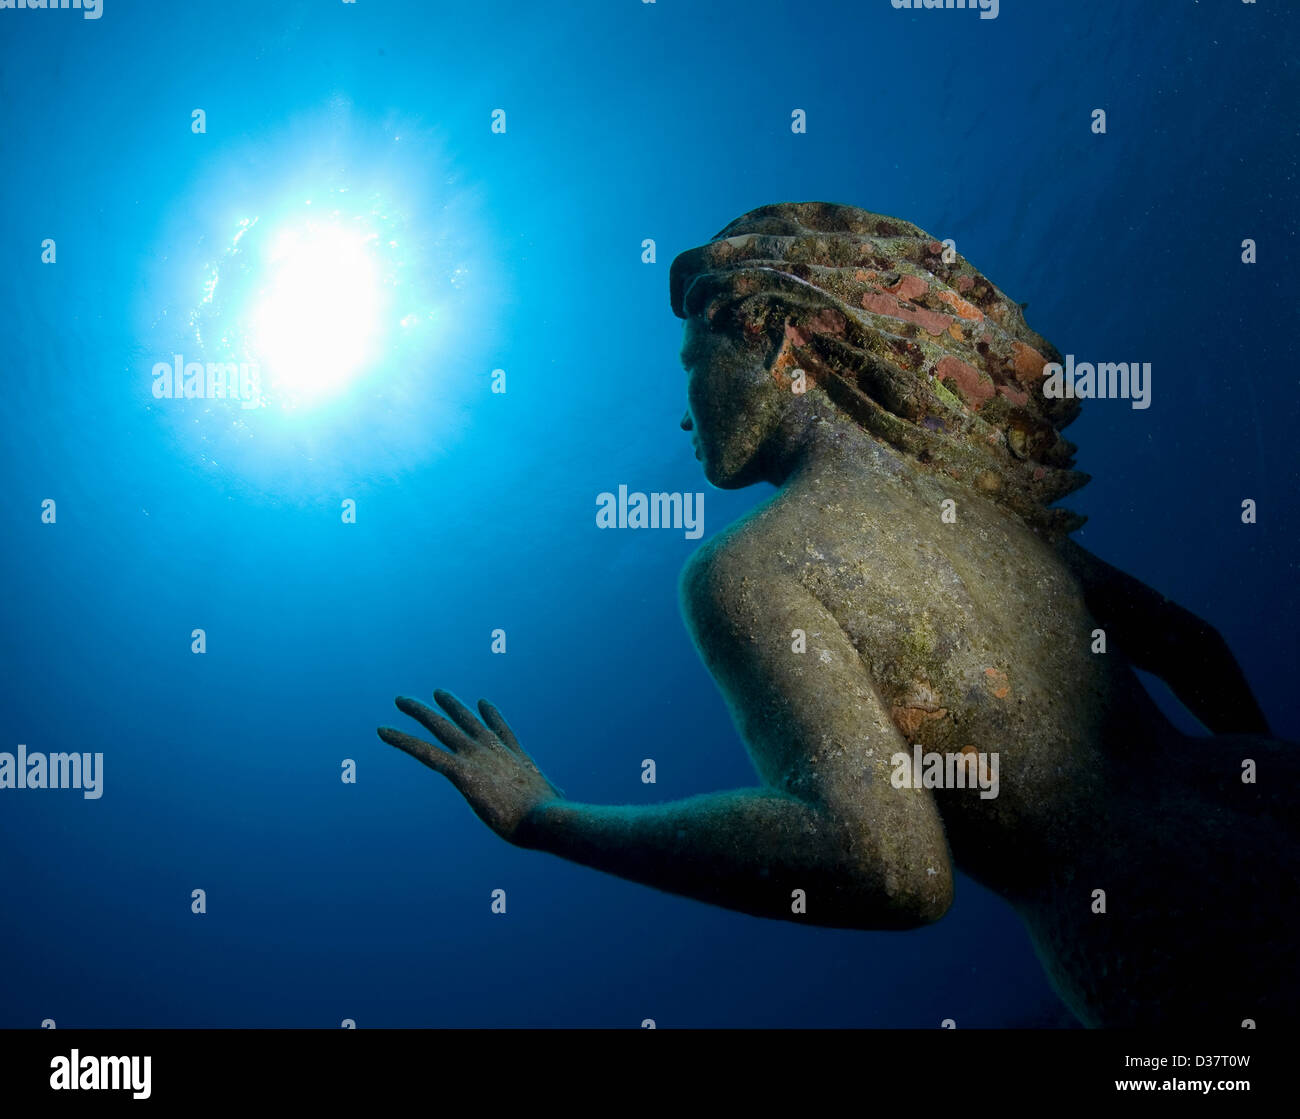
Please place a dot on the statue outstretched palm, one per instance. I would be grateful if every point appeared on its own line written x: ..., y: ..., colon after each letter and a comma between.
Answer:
x: 482, y: 758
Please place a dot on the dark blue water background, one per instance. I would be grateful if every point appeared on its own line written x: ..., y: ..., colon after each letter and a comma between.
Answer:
x: 626, y: 121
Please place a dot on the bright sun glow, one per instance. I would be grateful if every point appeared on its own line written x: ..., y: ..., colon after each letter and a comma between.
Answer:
x: 315, y: 323
x: 321, y: 298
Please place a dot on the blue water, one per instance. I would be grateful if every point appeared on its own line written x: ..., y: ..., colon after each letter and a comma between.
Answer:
x: 475, y: 511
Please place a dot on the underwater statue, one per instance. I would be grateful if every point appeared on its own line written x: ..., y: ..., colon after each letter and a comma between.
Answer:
x: 910, y: 592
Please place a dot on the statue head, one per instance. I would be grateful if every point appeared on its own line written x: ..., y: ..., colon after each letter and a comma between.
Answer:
x: 797, y: 304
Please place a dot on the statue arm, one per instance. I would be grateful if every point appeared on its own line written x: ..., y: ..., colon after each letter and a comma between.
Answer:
x: 1163, y: 638
x: 826, y: 820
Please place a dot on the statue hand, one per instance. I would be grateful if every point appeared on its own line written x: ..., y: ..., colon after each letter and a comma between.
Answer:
x: 482, y: 759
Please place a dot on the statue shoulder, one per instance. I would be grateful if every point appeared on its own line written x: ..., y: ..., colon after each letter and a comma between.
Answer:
x: 737, y: 576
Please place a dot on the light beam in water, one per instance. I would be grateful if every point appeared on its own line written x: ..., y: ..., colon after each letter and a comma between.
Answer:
x: 352, y: 276
x: 316, y: 319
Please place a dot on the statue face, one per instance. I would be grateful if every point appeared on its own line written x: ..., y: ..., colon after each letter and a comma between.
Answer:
x: 734, y: 403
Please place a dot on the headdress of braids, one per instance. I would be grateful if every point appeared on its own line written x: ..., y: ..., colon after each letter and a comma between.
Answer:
x: 926, y: 355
